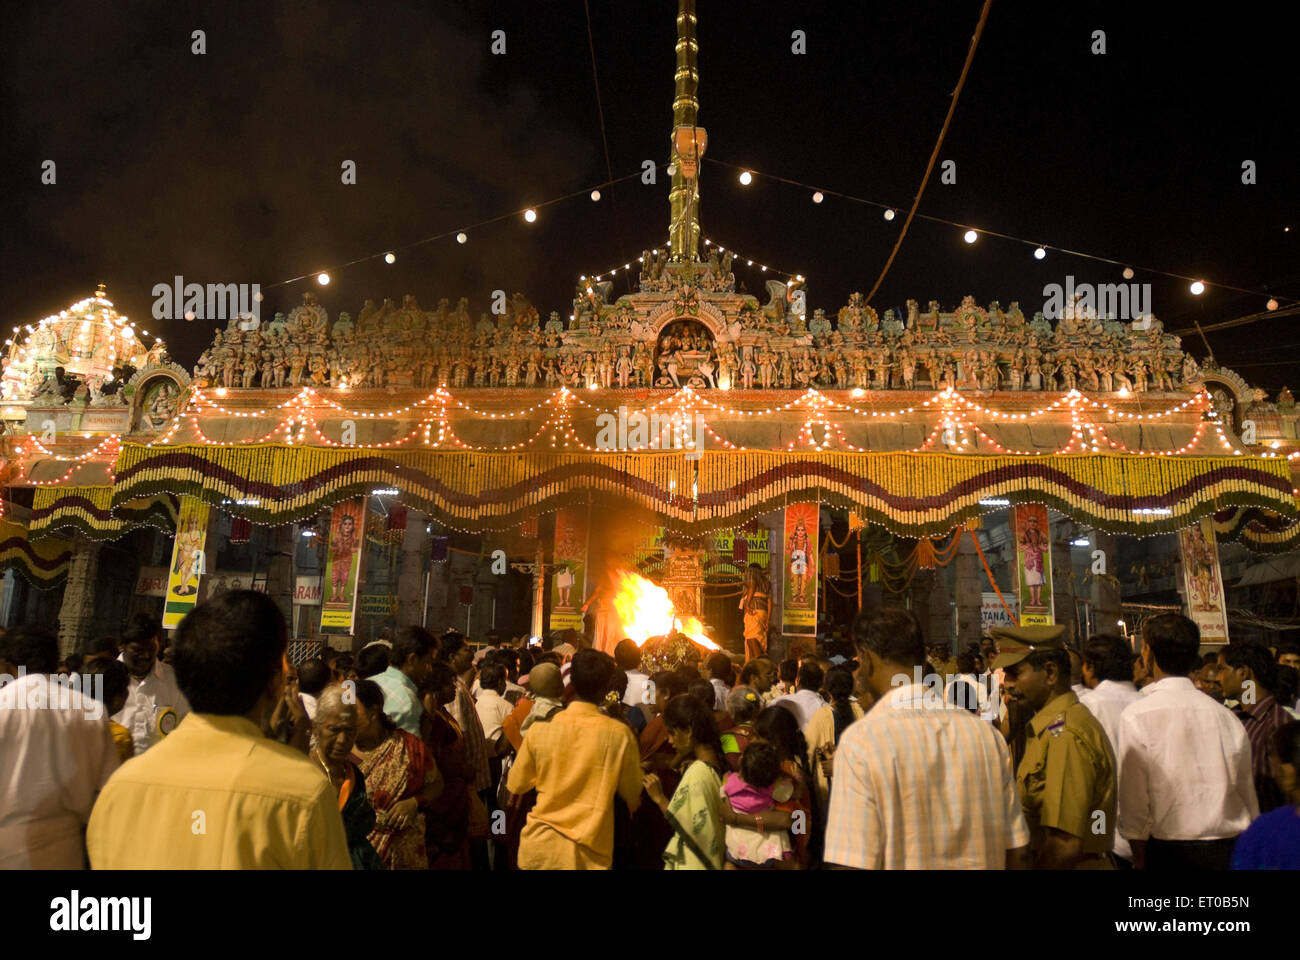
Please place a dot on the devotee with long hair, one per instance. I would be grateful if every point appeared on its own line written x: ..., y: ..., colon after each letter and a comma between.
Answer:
x: 695, y: 809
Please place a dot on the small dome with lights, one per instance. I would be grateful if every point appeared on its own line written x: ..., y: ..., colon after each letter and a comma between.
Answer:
x: 90, y: 342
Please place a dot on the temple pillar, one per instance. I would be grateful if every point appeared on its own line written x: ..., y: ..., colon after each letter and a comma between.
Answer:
x: 1063, y: 584
x: 539, y: 592
x: 482, y: 617
x: 438, y: 618
x: 938, y: 626
x: 1105, y: 595
x: 279, y: 570
x: 78, y: 610
x: 919, y: 592
x: 970, y: 583
x: 410, y: 582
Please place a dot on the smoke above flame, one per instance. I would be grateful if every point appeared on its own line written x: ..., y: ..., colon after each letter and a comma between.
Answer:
x: 643, y: 608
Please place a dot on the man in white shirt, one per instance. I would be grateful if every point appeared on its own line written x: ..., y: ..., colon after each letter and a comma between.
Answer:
x: 806, y: 699
x: 721, y: 672
x: 1185, y: 784
x: 152, y: 688
x: 628, y: 657
x: 491, y: 706
x: 1108, y: 676
x: 56, y: 753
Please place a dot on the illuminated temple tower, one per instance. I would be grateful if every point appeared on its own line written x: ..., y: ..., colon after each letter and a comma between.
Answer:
x: 483, y: 458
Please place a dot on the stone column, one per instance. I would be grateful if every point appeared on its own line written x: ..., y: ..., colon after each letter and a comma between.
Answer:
x: 920, y: 591
x: 1105, y: 597
x: 78, y: 610
x: 970, y: 582
x: 280, y: 568
x: 539, y: 592
x: 410, y: 582
x: 1063, y: 586
x: 440, y: 599
x: 939, y: 626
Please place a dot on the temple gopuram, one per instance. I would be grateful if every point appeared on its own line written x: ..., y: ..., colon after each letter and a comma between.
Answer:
x: 492, y: 466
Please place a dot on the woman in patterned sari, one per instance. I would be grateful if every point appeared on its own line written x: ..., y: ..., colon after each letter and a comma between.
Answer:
x: 335, y: 730
x: 695, y: 810
x: 402, y: 781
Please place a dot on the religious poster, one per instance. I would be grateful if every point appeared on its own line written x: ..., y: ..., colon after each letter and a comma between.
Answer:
x: 730, y: 552
x: 1203, y: 581
x: 799, y: 585
x: 569, y: 581
x: 187, y: 561
x: 343, y: 566
x: 1033, y: 564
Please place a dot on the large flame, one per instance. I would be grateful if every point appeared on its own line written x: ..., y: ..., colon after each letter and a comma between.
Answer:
x: 643, y: 608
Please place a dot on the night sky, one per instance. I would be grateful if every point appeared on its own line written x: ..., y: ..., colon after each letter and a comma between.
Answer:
x: 226, y: 167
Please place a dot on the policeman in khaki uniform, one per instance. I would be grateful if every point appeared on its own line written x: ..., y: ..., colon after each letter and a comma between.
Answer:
x: 1066, y: 778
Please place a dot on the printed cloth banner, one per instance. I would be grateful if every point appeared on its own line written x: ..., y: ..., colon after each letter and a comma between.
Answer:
x: 188, y: 561
x: 152, y: 582
x: 569, y: 583
x: 993, y: 614
x: 378, y: 604
x: 307, y: 591
x: 799, y: 585
x: 343, y: 566
x: 1203, y: 581
x: 1033, y: 564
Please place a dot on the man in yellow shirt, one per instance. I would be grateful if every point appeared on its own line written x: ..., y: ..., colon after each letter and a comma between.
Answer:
x: 216, y: 793
x: 577, y: 761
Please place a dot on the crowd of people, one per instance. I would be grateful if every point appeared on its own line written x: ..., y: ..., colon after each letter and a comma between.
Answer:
x: 422, y: 753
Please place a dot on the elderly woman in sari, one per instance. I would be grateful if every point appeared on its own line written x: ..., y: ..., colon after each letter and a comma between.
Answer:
x: 695, y: 810
x: 402, y: 781
x: 335, y: 733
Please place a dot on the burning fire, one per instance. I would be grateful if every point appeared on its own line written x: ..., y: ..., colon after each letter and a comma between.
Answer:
x: 645, y: 611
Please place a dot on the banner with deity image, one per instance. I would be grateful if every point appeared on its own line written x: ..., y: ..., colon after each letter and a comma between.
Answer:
x: 799, y: 584
x: 568, y: 585
x: 188, y: 561
x: 1033, y: 535
x: 343, y: 566
x: 1203, y: 581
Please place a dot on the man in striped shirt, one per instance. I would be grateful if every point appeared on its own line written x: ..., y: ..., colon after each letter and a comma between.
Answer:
x: 918, y: 784
x: 1249, y: 675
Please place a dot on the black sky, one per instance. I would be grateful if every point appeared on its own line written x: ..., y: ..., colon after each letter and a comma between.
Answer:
x: 226, y: 167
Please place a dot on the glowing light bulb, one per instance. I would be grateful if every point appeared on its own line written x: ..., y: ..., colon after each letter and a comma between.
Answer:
x: 889, y: 214
x: 1039, y: 253
x: 323, y: 279
x: 530, y: 214
x: 595, y: 195
x: 817, y: 197
x: 746, y: 178
x: 390, y: 258
x: 970, y: 236
x: 1197, y: 288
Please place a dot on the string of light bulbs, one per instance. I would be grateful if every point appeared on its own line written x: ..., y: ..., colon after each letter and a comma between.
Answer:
x: 972, y: 233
